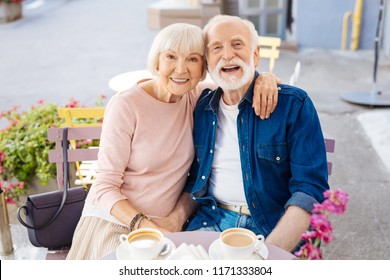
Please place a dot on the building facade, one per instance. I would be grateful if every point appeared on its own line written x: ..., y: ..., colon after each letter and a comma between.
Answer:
x: 315, y: 23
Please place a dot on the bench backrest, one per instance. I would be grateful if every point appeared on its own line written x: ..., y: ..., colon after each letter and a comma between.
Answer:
x: 71, y: 114
x: 74, y: 154
x: 330, y: 145
x: 80, y: 117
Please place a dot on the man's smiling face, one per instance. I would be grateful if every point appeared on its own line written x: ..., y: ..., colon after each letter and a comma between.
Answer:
x: 230, y: 55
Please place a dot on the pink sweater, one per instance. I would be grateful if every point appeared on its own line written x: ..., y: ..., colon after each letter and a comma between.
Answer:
x: 146, y: 150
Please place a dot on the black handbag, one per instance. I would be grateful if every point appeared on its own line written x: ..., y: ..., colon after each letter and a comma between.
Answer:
x: 51, y: 217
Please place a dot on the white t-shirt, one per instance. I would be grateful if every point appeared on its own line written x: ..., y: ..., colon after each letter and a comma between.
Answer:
x: 226, y: 184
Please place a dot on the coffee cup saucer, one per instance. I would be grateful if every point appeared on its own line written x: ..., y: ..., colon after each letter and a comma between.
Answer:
x: 123, y: 253
x: 215, y: 252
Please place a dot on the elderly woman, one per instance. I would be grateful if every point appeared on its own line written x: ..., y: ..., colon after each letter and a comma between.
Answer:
x: 146, y: 147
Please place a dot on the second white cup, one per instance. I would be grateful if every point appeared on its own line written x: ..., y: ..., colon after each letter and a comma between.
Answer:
x: 239, y: 243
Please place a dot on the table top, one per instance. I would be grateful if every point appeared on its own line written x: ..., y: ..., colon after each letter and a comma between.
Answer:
x: 205, y: 238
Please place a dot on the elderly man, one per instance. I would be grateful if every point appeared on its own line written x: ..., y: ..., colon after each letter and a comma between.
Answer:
x: 263, y: 175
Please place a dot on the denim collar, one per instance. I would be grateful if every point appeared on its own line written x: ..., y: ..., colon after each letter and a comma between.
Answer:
x: 214, y: 101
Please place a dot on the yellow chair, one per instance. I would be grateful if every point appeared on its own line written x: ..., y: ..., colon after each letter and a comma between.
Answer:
x: 71, y: 114
x: 269, y: 48
x: 85, y: 171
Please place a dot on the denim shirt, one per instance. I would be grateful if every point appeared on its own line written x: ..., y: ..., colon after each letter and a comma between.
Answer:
x: 283, y: 158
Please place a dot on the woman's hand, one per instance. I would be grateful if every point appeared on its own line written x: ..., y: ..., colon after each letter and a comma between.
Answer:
x: 175, y: 221
x: 169, y: 224
x: 152, y: 224
x: 265, y: 95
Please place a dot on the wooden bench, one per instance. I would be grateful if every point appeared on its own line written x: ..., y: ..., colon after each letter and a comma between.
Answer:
x: 82, y: 117
x: 75, y: 154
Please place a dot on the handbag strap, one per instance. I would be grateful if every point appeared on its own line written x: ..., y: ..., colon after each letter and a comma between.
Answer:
x: 65, y: 146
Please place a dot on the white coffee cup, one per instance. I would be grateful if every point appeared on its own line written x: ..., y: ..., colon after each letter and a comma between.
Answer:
x: 239, y: 243
x: 143, y: 243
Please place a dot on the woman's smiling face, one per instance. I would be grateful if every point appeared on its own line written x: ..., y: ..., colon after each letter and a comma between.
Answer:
x: 179, y: 73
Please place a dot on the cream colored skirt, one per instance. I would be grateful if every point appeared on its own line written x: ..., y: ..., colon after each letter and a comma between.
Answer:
x: 95, y: 238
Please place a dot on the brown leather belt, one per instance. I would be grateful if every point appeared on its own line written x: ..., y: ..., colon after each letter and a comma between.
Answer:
x: 243, y: 209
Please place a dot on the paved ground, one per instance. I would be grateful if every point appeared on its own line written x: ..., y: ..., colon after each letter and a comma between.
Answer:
x: 72, y: 48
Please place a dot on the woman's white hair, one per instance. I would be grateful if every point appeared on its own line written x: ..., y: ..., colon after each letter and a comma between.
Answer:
x: 227, y: 18
x: 178, y: 37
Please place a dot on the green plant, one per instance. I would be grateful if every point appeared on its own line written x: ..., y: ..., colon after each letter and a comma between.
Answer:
x: 24, y: 146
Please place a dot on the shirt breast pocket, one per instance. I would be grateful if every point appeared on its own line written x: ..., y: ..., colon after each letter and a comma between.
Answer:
x: 276, y: 153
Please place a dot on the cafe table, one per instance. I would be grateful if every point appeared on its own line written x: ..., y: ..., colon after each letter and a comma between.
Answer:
x: 205, y: 238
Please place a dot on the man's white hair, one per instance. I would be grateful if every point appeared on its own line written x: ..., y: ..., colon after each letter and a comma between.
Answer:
x: 227, y: 18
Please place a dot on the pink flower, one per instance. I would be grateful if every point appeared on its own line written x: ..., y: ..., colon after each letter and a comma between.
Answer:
x: 335, y: 203
x: 40, y: 102
x: 10, y: 200
x: 322, y: 226
x: 87, y: 142
x: 318, y: 208
x: 309, y: 251
x: 73, y: 103
x: 309, y: 235
x: 2, y: 156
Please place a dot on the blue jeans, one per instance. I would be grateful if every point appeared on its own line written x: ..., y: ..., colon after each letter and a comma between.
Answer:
x: 231, y: 219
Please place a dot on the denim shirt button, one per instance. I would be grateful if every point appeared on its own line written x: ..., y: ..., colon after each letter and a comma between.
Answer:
x: 213, y: 207
x: 203, y: 177
x: 194, y: 198
x: 277, y: 158
x: 211, y: 151
x: 205, y: 223
x: 213, y: 122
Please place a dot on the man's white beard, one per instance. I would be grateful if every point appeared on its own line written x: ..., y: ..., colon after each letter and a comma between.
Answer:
x: 232, y: 82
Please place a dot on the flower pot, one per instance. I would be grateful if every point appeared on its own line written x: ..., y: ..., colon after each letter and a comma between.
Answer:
x: 12, y: 11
